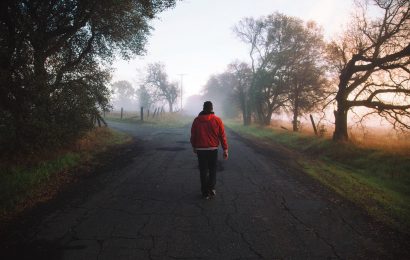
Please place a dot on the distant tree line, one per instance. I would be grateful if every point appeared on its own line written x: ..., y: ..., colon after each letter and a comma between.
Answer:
x: 293, y: 70
x: 54, y: 60
x: 154, y: 90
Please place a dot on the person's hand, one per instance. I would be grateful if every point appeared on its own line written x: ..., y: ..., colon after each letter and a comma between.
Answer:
x: 193, y: 150
x: 225, y: 154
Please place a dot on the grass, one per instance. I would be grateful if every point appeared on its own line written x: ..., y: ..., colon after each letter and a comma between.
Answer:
x: 376, y: 179
x: 27, y: 183
x: 167, y: 120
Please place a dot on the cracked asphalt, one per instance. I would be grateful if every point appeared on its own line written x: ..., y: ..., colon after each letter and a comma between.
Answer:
x: 150, y: 208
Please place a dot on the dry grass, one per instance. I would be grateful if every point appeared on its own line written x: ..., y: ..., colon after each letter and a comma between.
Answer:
x: 389, y: 141
x: 98, y: 138
x: 383, y: 139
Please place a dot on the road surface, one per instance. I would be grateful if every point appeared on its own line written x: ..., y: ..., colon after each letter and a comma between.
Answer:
x: 150, y: 207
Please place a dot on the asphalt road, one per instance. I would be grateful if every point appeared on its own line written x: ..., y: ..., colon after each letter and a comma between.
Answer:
x: 150, y: 207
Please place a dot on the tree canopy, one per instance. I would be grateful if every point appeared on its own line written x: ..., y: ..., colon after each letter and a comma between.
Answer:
x: 125, y: 95
x: 54, y: 58
x: 285, y: 63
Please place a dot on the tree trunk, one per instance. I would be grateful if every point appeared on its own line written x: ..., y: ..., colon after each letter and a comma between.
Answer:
x: 259, y: 113
x: 295, y: 121
x: 340, y: 133
x: 170, y: 107
x: 248, y: 118
x: 295, y: 113
x: 248, y: 112
x: 246, y: 115
x: 243, y: 108
x: 267, y: 118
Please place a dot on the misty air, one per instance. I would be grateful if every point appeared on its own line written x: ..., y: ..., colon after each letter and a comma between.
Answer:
x: 234, y: 129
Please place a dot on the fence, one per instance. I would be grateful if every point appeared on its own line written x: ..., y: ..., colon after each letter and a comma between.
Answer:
x: 143, y: 114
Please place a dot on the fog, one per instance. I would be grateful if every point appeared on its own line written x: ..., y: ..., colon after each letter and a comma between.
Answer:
x: 193, y: 105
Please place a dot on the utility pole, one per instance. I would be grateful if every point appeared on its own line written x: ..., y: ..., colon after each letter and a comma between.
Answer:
x: 182, y: 77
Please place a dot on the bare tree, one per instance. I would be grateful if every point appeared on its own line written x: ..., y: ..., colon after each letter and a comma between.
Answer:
x: 157, y: 79
x: 372, y: 59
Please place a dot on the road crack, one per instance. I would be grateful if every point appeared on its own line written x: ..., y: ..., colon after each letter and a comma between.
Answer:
x: 284, y: 205
x: 242, y: 235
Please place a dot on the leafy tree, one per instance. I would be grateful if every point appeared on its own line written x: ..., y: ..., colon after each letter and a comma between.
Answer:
x: 241, y: 77
x: 306, y: 91
x: 251, y: 32
x: 373, y: 62
x: 306, y: 69
x: 271, y: 40
x: 157, y: 80
x: 125, y: 94
x: 145, y: 97
x: 52, y: 59
x: 219, y: 90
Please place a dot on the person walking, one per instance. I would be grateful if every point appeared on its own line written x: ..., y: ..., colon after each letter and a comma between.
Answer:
x: 207, y: 132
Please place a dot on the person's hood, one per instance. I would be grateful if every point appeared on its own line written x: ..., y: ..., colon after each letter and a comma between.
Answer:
x: 205, y: 116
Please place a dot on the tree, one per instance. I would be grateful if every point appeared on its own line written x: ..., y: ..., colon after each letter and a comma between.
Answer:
x: 270, y: 92
x: 145, y: 97
x: 157, y: 79
x: 125, y: 94
x: 53, y: 59
x: 372, y: 59
x: 306, y: 91
x: 241, y: 76
x: 219, y: 90
x: 306, y: 70
x: 273, y: 40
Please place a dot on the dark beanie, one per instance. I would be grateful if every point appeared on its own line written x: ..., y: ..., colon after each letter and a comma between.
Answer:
x: 208, y: 106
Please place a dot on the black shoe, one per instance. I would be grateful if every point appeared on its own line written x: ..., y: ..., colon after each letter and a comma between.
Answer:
x: 206, y: 197
x: 212, y: 193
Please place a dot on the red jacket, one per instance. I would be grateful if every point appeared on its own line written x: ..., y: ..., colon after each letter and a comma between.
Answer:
x: 207, y: 131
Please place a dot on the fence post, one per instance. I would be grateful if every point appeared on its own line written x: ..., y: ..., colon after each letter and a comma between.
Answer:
x: 142, y: 113
x: 155, y: 112
x: 313, y: 124
x: 122, y: 110
x: 148, y: 113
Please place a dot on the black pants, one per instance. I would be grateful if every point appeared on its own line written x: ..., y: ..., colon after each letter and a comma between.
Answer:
x: 207, y: 167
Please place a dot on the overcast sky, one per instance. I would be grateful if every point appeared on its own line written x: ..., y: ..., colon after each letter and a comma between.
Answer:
x: 195, y: 38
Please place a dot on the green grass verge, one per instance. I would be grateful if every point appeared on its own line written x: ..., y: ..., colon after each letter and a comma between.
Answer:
x: 376, y: 180
x: 20, y: 184
x: 166, y: 120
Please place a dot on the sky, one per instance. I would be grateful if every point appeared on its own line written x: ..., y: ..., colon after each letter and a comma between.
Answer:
x: 195, y: 38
